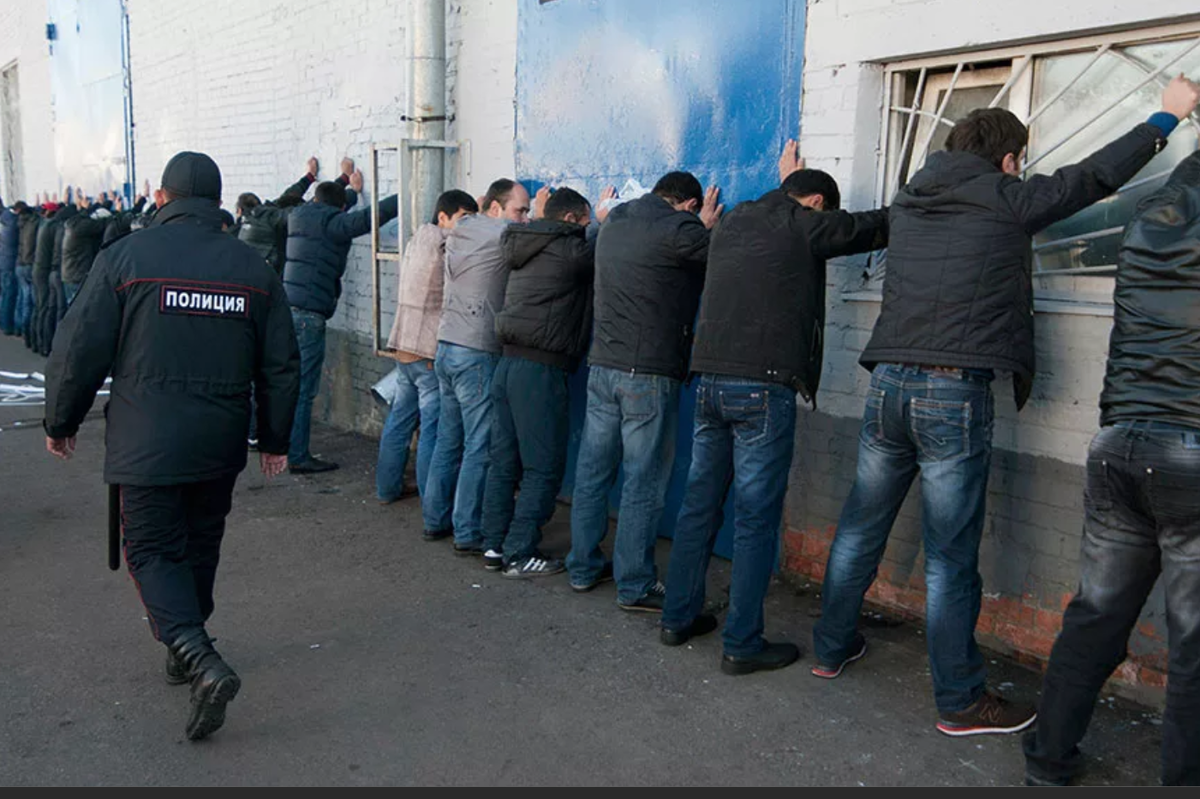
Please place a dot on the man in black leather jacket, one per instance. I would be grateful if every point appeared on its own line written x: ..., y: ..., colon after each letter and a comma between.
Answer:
x: 1142, y: 507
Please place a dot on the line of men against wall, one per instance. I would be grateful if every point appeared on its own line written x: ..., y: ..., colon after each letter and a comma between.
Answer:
x: 499, y: 298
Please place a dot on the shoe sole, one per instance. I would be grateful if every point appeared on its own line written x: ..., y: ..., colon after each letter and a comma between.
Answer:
x: 531, y: 575
x: 583, y: 589
x: 638, y: 609
x: 966, y: 732
x: 743, y: 669
x: 830, y: 674
x: 208, y: 715
x: 493, y: 567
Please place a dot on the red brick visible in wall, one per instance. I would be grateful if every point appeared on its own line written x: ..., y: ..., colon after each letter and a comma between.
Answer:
x: 1020, y: 625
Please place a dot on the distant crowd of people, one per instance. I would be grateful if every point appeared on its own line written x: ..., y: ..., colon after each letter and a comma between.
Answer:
x: 502, y: 297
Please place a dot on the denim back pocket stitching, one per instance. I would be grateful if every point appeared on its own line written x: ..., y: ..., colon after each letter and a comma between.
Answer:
x: 927, y: 415
x: 638, y: 404
x: 758, y: 403
x: 1097, y: 491
x: 872, y: 428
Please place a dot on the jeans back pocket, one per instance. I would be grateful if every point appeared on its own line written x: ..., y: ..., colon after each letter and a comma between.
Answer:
x: 746, y: 412
x: 941, y: 428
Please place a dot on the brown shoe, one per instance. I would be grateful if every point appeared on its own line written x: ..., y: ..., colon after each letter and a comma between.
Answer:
x: 991, y: 715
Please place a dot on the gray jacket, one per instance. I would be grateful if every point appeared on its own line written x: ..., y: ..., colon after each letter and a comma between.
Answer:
x: 476, y: 277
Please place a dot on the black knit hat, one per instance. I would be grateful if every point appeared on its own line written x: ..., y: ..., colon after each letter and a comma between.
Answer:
x: 193, y: 175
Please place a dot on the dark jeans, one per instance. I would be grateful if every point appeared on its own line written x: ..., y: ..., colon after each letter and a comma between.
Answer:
x: 458, y: 471
x: 630, y: 423
x: 1142, y: 520
x: 418, y: 397
x: 530, y: 426
x: 938, y: 423
x: 745, y: 436
x: 310, y: 337
x: 172, y: 546
x: 24, y: 310
x: 8, y: 300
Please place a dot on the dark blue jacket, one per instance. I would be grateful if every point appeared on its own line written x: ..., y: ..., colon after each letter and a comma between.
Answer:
x: 10, y: 237
x: 318, y: 243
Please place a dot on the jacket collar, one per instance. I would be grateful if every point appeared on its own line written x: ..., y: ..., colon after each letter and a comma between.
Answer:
x: 206, y: 213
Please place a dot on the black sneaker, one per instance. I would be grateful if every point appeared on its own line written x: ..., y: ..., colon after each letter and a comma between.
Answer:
x: 467, y: 550
x: 703, y: 624
x: 990, y: 715
x: 533, y: 566
x: 313, y: 466
x: 605, y: 576
x: 831, y: 671
x: 437, y: 535
x: 650, y: 602
x: 772, y: 658
x: 493, y: 560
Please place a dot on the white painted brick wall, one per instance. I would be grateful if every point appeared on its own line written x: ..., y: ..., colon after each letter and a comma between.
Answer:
x: 843, y: 96
x: 261, y: 86
x: 23, y: 40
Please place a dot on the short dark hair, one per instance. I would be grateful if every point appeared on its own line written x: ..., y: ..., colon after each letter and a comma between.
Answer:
x: 247, y: 202
x: 331, y: 193
x: 227, y: 219
x: 498, y: 192
x: 453, y: 201
x: 807, y: 182
x: 20, y: 207
x: 290, y: 201
x: 679, y: 187
x: 564, y: 202
x: 990, y: 133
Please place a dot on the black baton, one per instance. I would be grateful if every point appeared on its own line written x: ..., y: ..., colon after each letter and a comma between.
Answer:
x: 114, y: 527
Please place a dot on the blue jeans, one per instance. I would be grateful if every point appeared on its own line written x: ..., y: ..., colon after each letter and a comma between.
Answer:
x: 630, y: 422
x: 1142, y: 524
x: 310, y: 337
x: 745, y: 436
x: 530, y: 425
x: 8, y: 300
x: 24, y: 310
x: 417, y: 397
x: 458, y: 471
x: 69, y: 292
x: 937, y: 422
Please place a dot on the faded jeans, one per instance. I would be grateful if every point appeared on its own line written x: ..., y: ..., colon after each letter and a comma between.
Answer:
x: 417, y: 399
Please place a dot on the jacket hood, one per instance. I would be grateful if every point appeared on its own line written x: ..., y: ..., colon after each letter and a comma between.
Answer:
x: 945, y: 171
x: 523, y: 243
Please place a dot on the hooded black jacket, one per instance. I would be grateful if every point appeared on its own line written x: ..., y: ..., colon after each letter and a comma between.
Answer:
x: 763, y: 311
x: 186, y: 319
x: 1154, y: 353
x: 547, y: 311
x: 650, y: 262
x: 958, y: 291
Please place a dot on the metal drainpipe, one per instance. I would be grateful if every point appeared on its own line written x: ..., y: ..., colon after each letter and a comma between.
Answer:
x: 427, y: 106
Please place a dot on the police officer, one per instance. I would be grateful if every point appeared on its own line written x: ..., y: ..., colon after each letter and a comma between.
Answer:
x: 185, y: 318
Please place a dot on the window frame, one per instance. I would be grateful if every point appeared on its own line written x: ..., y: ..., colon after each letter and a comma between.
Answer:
x: 904, y: 134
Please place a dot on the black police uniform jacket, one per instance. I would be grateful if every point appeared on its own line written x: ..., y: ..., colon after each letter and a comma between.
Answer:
x: 187, y: 319
x: 959, y: 289
x: 650, y: 262
x: 547, y: 313
x: 1154, y: 354
x: 763, y: 312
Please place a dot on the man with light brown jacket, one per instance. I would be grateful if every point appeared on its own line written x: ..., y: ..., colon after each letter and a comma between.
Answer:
x: 413, y: 344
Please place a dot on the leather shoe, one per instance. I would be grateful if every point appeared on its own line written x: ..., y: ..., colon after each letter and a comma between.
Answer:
x: 771, y: 658
x: 703, y: 624
x: 313, y: 466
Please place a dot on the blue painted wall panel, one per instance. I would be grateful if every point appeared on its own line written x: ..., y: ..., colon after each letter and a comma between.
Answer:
x: 614, y: 89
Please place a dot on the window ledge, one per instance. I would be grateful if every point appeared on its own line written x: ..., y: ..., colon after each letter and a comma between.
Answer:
x: 1044, y: 305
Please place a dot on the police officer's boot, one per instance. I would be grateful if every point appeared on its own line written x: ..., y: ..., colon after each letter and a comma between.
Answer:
x: 177, y: 671
x: 214, y: 684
